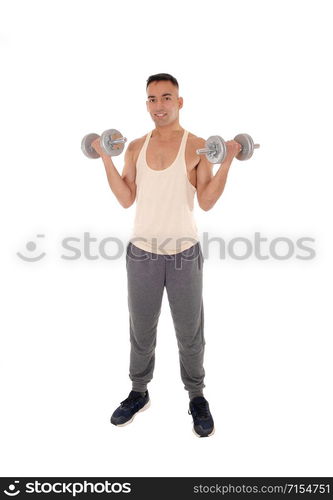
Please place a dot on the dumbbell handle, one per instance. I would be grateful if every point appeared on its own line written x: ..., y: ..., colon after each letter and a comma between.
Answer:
x: 118, y: 141
x: 204, y: 150
x: 210, y: 150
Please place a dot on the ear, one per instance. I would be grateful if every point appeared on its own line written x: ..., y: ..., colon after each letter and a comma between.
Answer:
x: 181, y: 102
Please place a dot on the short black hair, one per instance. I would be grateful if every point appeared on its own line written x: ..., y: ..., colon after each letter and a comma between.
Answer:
x: 162, y: 76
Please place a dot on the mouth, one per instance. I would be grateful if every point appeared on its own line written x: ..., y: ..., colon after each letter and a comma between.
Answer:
x: 160, y: 115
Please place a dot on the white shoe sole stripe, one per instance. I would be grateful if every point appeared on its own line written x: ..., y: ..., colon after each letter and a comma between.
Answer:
x: 203, y: 436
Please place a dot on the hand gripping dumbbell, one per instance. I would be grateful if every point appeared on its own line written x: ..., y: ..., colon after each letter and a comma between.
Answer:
x: 216, y: 148
x: 110, y: 142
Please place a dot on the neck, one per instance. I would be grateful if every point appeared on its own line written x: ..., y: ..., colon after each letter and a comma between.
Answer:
x: 167, y: 132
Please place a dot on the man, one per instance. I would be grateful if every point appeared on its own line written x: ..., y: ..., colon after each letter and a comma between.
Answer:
x: 162, y: 172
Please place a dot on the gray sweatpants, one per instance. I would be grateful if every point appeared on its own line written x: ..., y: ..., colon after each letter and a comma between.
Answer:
x: 181, y: 274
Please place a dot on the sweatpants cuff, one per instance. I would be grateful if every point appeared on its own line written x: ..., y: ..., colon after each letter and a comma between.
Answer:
x: 195, y: 394
x: 139, y: 388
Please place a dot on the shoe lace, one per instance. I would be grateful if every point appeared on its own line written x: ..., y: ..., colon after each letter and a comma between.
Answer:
x: 131, y: 401
x: 200, y: 409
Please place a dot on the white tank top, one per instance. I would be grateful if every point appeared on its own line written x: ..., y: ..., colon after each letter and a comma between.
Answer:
x: 164, y: 221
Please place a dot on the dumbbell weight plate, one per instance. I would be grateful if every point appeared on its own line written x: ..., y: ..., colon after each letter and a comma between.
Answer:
x: 109, y: 148
x: 217, y: 144
x: 86, y: 147
x: 247, y: 146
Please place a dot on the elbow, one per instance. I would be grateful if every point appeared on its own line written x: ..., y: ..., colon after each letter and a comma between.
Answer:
x: 127, y: 200
x: 206, y: 206
x: 205, y: 203
x: 127, y: 203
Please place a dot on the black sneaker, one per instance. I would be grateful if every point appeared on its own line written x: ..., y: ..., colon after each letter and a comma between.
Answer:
x: 133, y: 404
x: 202, y: 418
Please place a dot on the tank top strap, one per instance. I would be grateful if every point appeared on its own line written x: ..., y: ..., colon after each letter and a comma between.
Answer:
x: 182, y: 150
x: 148, y: 136
x: 183, y: 143
x: 141, y: 161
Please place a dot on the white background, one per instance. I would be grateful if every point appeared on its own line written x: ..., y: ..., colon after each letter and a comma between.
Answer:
x: 69, y: 68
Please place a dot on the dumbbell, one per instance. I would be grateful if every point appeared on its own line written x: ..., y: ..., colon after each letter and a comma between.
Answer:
x: 109, y: 141
x: 216, y: 148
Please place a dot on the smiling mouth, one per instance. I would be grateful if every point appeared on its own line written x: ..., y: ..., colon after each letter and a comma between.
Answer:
x: 160, y: 115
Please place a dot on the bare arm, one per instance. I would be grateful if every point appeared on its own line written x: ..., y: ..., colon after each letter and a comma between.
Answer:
x: 123, y: 187
x: 129, y: 173
x: 209, y: 187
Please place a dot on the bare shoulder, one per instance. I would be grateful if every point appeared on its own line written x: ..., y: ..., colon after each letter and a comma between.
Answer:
x: 197, y: 141
x: 135, y: 145
x: 131, y: 155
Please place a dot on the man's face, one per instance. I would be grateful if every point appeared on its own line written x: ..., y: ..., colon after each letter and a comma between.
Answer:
x: 162, y: 99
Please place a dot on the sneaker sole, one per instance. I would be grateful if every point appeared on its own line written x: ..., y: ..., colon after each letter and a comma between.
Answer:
x: 207, y: 435
x: 147, y: 405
